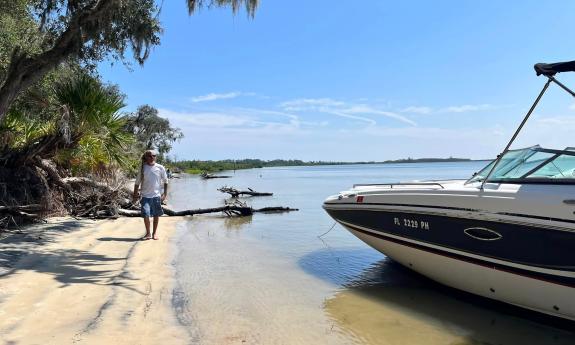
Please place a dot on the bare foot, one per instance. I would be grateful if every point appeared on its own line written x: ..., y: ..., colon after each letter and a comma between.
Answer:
x: 145, y: 238
x: 156, y: 237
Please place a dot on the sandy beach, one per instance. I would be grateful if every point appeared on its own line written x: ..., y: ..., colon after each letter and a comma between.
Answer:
x: 90, y: 282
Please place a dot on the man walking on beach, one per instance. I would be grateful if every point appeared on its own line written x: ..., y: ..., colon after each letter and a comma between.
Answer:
x: 151, y: 177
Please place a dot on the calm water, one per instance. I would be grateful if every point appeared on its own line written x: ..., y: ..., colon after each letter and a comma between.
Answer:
x: 270, y: 278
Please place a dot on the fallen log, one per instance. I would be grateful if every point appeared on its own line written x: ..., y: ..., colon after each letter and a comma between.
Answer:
x: 235, y: 193
x: 128, y: 213
x: 31, y: 208
x: 277, y: 209
x: 235, y: 209
x: 206, y: 176
x: 26, y: 212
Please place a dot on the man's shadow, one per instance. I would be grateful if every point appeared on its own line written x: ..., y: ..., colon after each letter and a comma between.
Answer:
x: 119, y: 239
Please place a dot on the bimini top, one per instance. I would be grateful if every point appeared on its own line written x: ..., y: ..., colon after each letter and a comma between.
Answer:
x: 550, y: 69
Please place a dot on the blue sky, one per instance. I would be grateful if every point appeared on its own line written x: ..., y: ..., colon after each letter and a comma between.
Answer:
x: 357, y: 81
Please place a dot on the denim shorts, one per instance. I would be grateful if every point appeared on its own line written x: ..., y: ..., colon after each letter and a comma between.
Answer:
x: 151, y: 207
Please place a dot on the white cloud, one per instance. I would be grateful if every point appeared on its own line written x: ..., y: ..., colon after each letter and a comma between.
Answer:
x: 364, y: 109
x: 306, y: 128
x: 310, y: 104
x: 557, y: 121
x: 349, y: 116
x: 283, y: 141
x: 215, y: 96
x: 205, y: 119
x: 466, y: 108
x: 255, y: 121
x: 342, y: 109
x: 417, y: 110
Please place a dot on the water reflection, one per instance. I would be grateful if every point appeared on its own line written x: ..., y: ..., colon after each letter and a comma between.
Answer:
x: 237, y: 223
x: 388, y: 304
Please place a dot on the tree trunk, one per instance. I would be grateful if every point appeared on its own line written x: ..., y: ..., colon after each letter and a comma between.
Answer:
x: 237, y: 210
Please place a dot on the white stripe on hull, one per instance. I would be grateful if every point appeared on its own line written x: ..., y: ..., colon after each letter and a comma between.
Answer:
x: 529, y: 293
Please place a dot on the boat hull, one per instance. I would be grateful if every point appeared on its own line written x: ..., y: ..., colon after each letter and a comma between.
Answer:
x: 537, y: 248
x: 536, y: 274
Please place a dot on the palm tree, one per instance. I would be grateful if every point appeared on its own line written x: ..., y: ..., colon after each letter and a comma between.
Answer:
x: 90, y: 118
x: 85, y: 127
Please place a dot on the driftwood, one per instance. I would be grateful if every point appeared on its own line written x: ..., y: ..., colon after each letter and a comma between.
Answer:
x: 235, y: 193
x: 22, y: 208
x: 29, y: 212
x: 230, y: 209
x: 206, y: 176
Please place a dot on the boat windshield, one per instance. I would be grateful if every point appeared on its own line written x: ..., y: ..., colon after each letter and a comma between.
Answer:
x: 532, y: 164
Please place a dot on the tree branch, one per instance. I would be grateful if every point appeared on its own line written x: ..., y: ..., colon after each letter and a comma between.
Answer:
x: 25, y: 71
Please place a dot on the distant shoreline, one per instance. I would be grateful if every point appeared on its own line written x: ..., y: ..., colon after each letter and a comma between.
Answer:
x: 198, y: 166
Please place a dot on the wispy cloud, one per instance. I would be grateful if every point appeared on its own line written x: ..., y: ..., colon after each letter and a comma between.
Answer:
x: 365, y: 109
x: 307, y: 103
x: 350, y: 116
x: 417, y: 110
x: 557, y: 121
x: 359, y: 112
x: 206, y: 119
x: 466, y: 108
x: 216, y: 96
x: 256, y: 121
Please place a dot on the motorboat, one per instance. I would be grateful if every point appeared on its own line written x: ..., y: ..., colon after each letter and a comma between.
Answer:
x: 507, y: 233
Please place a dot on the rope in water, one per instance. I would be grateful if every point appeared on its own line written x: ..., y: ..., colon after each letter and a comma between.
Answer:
x: 325, y: 233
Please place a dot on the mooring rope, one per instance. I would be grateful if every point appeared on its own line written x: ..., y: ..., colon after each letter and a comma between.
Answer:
x: 325, y: 233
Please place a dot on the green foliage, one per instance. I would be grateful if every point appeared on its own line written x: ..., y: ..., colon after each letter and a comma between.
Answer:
x: 85, y: 115
x: 90, y: 112
x: 152, y: 131
x: 106, y: 27
x: 88, y: 102
x: 17, y: 30
x: 20, y: 130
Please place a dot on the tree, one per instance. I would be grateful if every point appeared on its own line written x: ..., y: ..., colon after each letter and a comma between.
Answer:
x: 152, y: 131
x: 91, y: 113
x: 86, y: 128
x: 89, y: 30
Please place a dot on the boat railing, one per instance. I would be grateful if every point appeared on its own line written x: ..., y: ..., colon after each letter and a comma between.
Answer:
x: 391, y: 185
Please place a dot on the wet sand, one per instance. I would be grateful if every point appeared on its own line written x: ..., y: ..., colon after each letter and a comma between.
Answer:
x: 88, y: 282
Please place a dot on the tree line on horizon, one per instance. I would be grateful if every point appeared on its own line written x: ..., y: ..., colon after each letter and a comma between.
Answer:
x: 210, y: 166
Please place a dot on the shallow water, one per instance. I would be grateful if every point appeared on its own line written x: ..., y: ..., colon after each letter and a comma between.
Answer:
x: 270, y: 278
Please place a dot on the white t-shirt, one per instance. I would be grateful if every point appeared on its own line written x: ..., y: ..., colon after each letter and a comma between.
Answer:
x: 154, y: 178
